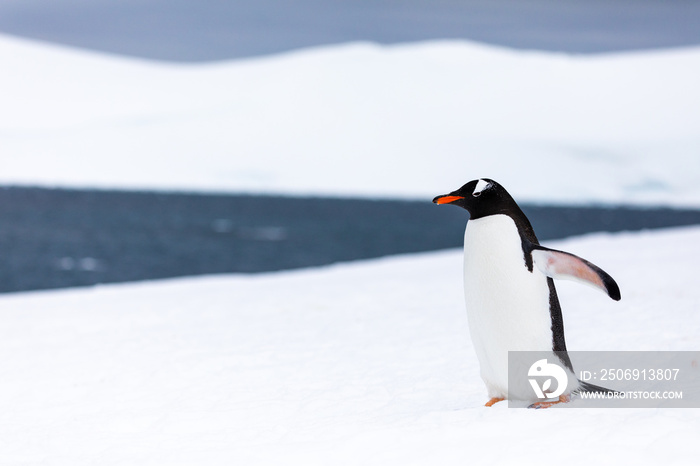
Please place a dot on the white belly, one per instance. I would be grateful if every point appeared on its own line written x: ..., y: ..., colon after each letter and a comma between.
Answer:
x: 507, y: 305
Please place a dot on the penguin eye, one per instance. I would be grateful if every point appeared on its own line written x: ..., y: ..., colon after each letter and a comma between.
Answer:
x: 481, y: 185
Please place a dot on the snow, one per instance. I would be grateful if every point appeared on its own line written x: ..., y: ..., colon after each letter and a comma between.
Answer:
x: 411, y: 121
x: 361, y: 363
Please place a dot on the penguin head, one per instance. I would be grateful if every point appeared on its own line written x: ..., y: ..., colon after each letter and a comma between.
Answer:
x: 482, y: 197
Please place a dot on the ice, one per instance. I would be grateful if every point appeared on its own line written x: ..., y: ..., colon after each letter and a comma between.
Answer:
x: 410, y: 121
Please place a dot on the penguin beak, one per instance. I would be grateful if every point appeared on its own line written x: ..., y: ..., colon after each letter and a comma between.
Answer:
x: 446, y: 199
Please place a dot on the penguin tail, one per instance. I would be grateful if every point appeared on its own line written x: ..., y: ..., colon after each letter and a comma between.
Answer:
x: 590, y: 388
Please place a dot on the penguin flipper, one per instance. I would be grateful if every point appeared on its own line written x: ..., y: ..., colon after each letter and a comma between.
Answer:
x: 559, y: 264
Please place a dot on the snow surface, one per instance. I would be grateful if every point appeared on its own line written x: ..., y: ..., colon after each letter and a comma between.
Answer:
x: 410, y: 121
x: 363, y: 363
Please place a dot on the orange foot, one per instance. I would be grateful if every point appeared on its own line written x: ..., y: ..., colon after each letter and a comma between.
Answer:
x: 549, y: 404
x: 493, y: 401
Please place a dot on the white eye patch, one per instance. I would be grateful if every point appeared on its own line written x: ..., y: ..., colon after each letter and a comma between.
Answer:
x: 480, y: 186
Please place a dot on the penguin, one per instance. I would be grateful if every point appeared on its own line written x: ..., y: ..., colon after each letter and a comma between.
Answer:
x: 511, y: 300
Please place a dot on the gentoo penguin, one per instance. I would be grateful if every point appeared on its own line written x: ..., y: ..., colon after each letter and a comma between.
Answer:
x: 511, y: 301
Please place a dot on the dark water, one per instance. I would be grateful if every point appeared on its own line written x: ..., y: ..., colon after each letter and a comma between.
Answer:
x: 200, y: 30
x: 63, y: 238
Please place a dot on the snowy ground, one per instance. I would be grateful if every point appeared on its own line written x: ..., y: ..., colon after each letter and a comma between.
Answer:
x: 363, y: 363
x: 411, y: 121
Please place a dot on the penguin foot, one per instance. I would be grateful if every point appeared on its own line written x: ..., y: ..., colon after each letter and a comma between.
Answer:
x: 549, y: 404
x: 493, y: 401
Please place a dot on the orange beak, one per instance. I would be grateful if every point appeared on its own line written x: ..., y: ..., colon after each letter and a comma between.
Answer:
x: 446, y: 199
